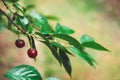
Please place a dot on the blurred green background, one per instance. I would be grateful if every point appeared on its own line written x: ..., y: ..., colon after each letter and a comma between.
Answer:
x: 98, y: 18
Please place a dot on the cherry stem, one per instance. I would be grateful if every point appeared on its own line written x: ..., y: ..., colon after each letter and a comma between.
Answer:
x: 37, y: 38
x: 11, y: 20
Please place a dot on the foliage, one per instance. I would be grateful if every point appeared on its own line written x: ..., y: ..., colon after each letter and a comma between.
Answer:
x: 23, y: 72
x: 36, y: 27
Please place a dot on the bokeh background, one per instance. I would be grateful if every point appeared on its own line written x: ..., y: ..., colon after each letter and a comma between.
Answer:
x: 98, y: 18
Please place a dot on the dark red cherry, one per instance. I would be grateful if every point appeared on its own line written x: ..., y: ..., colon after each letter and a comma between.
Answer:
x: 19, y: 43
x: 32, y: 53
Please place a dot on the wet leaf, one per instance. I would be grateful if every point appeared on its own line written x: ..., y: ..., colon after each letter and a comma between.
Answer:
x: 41, y: 22
x: 60, y: 47
x: 87, y: 41
x: 52, y: 78
x: 65, y: 61
x: 54, y: 51
x: 83, y: 55
x: 22, y: 21
x: 49, y: 17
x: 19, y: 7
x: 12, y: 1
x: 61, y: 29
x: 23, y: 72
x: 94, y: 45
x: 71, y: 40
x: 85, y: 38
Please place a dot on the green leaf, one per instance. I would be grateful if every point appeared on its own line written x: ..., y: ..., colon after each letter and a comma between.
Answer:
x: 22, y: 21
x: 54, y: 51
x: 23, y: 72
x: 42, y: 21
x: 34, y: 19
x: 94, y: 45
x: 61, y: 29
x: 51, y: 47
x: 36, y: 15
x: 83, y: 55
x: 65, y: 61
x: 85, y: 38
x: 16, y: 5
x: 30, y: 6
x: 52, y: 78
x: 61, y: 47
x: 29, y: 28
x: 12, y: 1
x: 70, y: 39
x: 37, y: 24
x: 46, y: 29
x: 37, y: 19
x: 51, y: 17
x: 41, y: 35
x: 19, y: 7
x: 87, y: 41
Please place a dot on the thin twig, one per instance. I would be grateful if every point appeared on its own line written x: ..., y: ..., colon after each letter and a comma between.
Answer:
x: 37, y: 38
x: 14, y: 16
x: 13, y: 22
x: 7, y: 6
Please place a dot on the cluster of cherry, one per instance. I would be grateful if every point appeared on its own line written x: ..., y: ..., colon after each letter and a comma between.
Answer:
x: 32, y: 52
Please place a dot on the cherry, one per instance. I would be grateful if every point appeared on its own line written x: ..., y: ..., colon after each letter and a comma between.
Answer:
x: 19, y: 43
x: 32, y: 52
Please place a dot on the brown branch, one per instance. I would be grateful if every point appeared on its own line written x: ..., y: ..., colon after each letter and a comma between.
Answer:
x: 7, y: 6
x: 37, y: 38
x: 14, y: 16
x: 13, y: 22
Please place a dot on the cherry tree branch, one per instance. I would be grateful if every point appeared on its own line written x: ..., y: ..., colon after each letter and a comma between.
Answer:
x: 13, y: 22
x: 37, y: 38
x: 7, y: 6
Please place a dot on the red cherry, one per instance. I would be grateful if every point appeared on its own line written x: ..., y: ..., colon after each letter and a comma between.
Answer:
x: 19, y: 43
x: 32, y: 53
